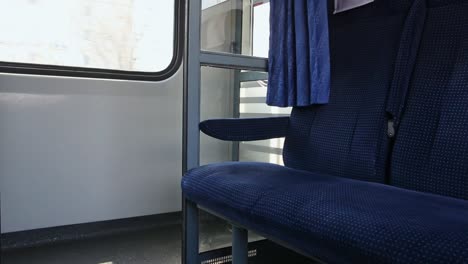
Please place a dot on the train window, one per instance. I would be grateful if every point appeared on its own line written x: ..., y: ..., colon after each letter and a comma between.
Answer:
x: 119, y: 38
x: 236, y: 26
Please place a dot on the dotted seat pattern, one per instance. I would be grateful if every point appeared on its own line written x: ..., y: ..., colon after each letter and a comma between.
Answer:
x: 329, y: 201
x: 335, y: 219
x: 431, y: 146
x: 347, y: 137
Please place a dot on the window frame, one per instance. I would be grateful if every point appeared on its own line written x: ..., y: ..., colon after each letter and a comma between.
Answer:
x: 100, y: 73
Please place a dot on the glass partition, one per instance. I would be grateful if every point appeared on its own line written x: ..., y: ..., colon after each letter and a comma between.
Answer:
x: 235, y: 26
x: 229, y: 93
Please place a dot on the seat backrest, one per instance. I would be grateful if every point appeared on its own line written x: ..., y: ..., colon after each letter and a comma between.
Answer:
x: 431, y: 145
x: 347, y: 137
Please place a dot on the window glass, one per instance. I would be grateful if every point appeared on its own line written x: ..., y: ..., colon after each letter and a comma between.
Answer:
x: 229, y: 93
x: 235, y: 26
x: 129, y: 35
x: 261, y: 29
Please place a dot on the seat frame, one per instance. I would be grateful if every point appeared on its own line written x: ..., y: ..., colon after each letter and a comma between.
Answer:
x: 191, y: 245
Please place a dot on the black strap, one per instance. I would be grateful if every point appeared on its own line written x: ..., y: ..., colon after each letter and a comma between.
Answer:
x: 405, y: 63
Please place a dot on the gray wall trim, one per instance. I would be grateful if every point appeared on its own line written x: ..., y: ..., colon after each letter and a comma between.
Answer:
x: 45, y: 236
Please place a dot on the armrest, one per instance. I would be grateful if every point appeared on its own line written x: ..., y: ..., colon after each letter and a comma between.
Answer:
x: 246, y: 129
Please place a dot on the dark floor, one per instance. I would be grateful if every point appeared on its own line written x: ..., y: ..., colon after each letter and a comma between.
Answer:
x: 157, y: 245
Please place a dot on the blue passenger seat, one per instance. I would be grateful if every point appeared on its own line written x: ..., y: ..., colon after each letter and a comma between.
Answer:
x: 431, y: 147
x: 347, y: 137
x: 348, y: 192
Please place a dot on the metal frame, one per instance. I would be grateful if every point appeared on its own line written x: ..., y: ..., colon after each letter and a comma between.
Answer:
x: 191, y: 133
x: 233, y: 61
x: 191, y: 245
x: 279, y: 242
x: 240, y: 241
x: 55, y: 70
x: 195, y: 58
x: 237, y: 36
x: 191, y: 232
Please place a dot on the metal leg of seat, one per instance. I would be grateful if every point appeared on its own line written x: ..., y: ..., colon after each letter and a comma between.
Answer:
x: 191, y: 230
x: 239, y: 245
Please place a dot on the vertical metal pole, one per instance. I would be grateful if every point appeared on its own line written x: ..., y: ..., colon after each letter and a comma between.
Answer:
x: 238, y: 8
x: 236, y: 112
x: 240, y: 252
x: 191, y: 137
x: 192, y: 87
x: 192, y: 233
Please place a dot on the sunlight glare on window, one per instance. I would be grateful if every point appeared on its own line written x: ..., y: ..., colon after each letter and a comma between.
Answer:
x: 261, y: 30
x: 130, y: 35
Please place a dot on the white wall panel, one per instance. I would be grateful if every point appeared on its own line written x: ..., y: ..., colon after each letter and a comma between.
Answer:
x: 83, y: 150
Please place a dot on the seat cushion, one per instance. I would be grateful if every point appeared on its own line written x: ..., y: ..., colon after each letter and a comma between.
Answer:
x: 337, y: 220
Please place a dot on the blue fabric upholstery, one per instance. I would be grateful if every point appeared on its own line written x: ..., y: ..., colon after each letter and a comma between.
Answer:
x: 318, y: 203
x: 431, y: 146
x: 405, y: 63
x: 299, y: 56
x: 347, y: 137
x: 335, y: 219
x: 246, y: 129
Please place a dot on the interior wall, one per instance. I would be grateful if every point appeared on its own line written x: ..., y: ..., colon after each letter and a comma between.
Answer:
x: 83, y: 150
x: 75, y: 150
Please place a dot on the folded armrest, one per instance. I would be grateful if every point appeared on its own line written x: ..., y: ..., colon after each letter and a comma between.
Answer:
x: 246, y: 129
